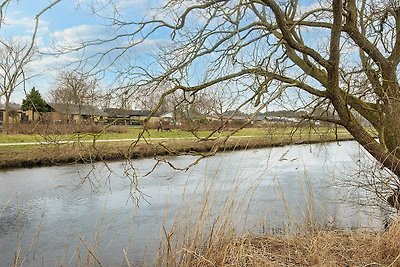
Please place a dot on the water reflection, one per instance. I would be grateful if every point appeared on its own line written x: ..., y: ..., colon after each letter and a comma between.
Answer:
x: 275, y: 188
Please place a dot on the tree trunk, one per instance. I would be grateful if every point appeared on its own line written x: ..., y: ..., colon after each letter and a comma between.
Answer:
x: 391, y: 128
x: 387, y: 150
x: 6, y: 122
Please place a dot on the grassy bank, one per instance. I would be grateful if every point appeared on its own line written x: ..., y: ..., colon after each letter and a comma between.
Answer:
x: 207, y: 234
x: 133, y: 133
x: 174, y: 142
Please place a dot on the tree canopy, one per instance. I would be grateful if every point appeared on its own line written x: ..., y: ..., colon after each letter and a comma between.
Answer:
x: 75, y: 88
x: 34, y: 101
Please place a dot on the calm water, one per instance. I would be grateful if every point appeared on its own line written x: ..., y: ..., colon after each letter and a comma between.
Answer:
x: 50, y: 214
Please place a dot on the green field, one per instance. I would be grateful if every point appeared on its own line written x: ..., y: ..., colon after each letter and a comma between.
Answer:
x: 29, y: 153
x: 133, y: 133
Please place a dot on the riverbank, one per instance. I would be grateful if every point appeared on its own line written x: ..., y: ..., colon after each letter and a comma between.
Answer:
x: 317, y: 248
x: 48, y: 154
x: 227, y: 211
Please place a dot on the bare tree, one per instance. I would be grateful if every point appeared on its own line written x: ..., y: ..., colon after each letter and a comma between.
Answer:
x: 340, y: 55
x: 220, y: 102
x: 14, y: 58
x: 75, y: 88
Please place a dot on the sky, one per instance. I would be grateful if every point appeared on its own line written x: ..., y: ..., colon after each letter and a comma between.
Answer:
x: 67, y: 23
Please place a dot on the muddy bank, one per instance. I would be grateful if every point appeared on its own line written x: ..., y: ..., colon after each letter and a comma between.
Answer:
x: 64, y: 154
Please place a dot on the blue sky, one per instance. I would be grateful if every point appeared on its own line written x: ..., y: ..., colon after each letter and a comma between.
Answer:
x: 68, y: 22
x: 71, y: 22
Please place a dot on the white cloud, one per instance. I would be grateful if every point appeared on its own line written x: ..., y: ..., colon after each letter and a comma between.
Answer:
x: 15, y: 22
x: 25, y: 22
x: 131, y: 3
x: 49, y: 62
x: 50, y: 36
x: 75, y: 35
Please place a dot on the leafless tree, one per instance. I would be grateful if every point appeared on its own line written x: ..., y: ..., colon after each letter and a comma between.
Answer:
x: 14, y: 58
x: 338, y: 57
x: 221, y: 102
x: 75, y: 88
x: 341, y: 55
x: 15, y: 55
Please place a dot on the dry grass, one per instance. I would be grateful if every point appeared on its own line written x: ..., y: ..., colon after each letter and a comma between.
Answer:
x: 78, y: 152
x: 212, y: 235
x: 223, y: 246
x: 62, y: 129
x: 323, y: 248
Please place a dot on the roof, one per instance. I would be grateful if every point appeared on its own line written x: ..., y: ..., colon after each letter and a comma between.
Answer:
x: 260, y: 117
x: 72, y: 109
x: 126, y: 113
x: 235, y: 115
x: 168, y: 115
x: 13, y: 106
x: 285, y: 113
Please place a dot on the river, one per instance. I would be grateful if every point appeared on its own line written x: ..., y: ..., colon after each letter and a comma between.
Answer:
x: 53, y: 215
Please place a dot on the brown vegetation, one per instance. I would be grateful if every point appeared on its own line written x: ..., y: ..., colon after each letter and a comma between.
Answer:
x: 49, y: 129
x: 212, y: 235
x: 78, y: 152
x: 322, y: 248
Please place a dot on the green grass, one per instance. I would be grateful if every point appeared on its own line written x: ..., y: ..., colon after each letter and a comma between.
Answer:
x: 26, y: 155
x: 19, y: 138
x: 133, y: 133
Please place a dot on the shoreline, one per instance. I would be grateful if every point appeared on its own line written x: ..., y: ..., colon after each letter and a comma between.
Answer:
x: 81, y: 153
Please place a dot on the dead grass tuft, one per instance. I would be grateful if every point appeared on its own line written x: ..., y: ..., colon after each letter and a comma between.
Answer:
x: 323, y: 248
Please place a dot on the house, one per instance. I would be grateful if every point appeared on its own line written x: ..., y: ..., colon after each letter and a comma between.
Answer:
x: 285, y: 116
x: 260, y: 118
x: 16, y: 115
x: 212, y: 118
x: 130, y: 117
x: 235, y: 116
x: 74, y: 113
x: 31, y: 116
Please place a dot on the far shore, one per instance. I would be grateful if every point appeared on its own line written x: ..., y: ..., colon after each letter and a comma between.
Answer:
x: 67, y: 153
